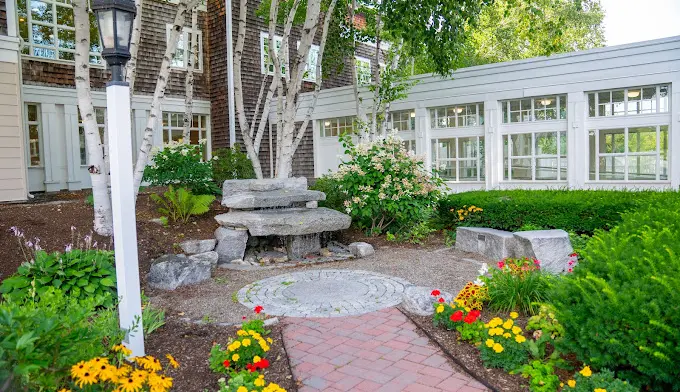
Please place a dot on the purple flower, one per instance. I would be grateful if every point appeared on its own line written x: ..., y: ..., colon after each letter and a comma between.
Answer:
x: 68, y: 248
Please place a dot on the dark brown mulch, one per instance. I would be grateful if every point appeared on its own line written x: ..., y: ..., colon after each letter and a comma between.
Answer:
x: 190, y: 344
x: 51, y: 222
x: 353, y: 234
x: 468, y: 356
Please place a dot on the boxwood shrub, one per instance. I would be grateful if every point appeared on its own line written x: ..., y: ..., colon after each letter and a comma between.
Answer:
x: 621, y: 307
x: 579, y: 211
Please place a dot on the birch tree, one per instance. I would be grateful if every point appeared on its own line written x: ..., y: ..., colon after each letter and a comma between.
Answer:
x: 131, y: 66
x: 103, y: 221
x: 192, y: 61
x: 285, y: 85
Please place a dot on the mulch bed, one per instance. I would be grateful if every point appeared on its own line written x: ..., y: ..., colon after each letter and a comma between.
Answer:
x: 468, y: 356
x: 50, y: 219
x: 190, y: 344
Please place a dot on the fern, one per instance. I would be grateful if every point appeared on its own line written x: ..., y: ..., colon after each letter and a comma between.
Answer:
x: 180, y: 205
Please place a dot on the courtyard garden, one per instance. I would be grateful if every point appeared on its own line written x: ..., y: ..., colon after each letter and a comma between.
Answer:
x: 414, y: 313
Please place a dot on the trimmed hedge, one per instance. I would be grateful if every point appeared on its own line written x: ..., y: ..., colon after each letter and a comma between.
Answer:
x: 579, y: 211
x: 620, y: 309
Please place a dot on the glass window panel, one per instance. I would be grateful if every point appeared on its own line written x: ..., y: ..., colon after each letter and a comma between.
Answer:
x: 663, y: 99
x: 641, y: 168
x: 67, y: 38
x: 67, y: 56
x: 32, y: 113
x: 482, y: 166
x: 612, y: 141
x: 43, y: 35
x: 612, y: 168
x: 563, y: 167
x: 521, y: 144
x: 563, y: 107
x: 505, y: 112
x: 447, y: 148
x: 546, y: 143
x: 100, y: 115
x: 194, y: 136
x: 663, y: 153
x: 563, y: 143
x: 176, y: 135
x: 467, y: 170
x: 41, y: 11
x: 618, y: 103
x: 34, y: 144
x: 592, y: 154
x: 467, y: 147
x: 505, y: 158
x: 591, y: 105
x: 447, y: 170
x: 546, y: 168
x: 521, y: 169
x: 642, y: 139
x: 65, y: 16
x: 83, y: 149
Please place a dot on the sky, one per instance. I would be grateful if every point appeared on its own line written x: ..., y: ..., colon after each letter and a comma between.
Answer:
x: 629, y: 21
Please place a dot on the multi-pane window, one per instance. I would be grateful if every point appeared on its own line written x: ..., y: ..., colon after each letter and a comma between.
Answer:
x: 469, y: 115
x: 403, y: 120
x: 184, y: 51
x: 363, y: 70
x: 628, y: 101
x: 312, y: 60
x: 173, y: 128
x: 334, y: 127
x: 547, y: 108
x: 100, y: 117
x: 48, y: 30
x: 410, y: 145
x: 629, y: 154
x: 266, y: 61
x: 535, y: 156
x: 34, y: 134
x: 459, y: 158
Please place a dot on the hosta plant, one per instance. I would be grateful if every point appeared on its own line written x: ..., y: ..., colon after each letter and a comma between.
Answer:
x: 180, y: 204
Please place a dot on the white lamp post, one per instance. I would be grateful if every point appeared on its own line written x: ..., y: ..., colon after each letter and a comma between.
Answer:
x: 115, y: 27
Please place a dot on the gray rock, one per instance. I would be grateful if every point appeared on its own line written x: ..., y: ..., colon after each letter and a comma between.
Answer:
x: 419, y: 300
x: 299, y: 246
x: 361, y: 249
x: 268, y: 199
x: 231, y: 244
x: 271, y: 257
x: 314, y: 204
x: 293, y: 221
x: 231, y: 187
x: 205, y: 257
x: 494, y: 244
x: 168, y: 272
x: 551, y: 247
x: 192, y: 247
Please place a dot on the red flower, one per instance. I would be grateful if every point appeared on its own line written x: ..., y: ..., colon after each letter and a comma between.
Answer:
x: 441, y: 300
x: 435, y: 293
x: 573, y: 254
x: 570, y: 270
x: 258, y: 309
x: 244, y: 317
x: 251, y: 367
x: 457, y: 316
x: 263, y: 364
x: 472, y: 316
x: 501, y: 264
x: 226, y: 363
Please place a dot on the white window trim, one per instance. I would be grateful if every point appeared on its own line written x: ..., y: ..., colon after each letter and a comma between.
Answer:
x: 410, y: 122
x: 101, y: 127
x: 202, y: 6
x: 533, y: 156
x: 505, y: 106
x: 203, y: 129
x: 264, y: 68
x: 322, y: 126
x: 55, y: 47
x: 478, y: 106
x: 436, y: 161
x: 310, y: 73
x: 625, y: 101
x: 38, y: 122
x: 187, y: 50
x: 370, y: 72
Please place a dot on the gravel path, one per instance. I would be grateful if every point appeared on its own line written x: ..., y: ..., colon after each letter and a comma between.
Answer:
x: 216, y: 300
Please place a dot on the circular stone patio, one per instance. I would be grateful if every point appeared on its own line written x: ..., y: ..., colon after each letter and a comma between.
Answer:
x: 324, y: 293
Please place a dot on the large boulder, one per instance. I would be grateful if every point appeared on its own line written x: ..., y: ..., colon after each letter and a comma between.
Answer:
x: 192, y: 247
x: 206, y: 257
x: 269, y: 199
x: 231, y: 244
x: 492, y: 243
x: 361, y: 249
x: 169, y: 272
x: 298, y: 246
x: 420, y: 301
x: 232, y: 187
x: 282, y: 222
x: 551, y: 247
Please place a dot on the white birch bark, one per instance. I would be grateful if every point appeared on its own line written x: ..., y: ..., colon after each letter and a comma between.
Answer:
x: 103, y: 221
x: 159, y: 93
x: 376, y: 81
x: 189, y: 78
x: 131, y: 66
x: 362, y: 119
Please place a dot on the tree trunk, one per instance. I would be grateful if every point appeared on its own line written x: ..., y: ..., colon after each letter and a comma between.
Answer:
x: 192, y: 61
x: 103, y: 220
x: 131, y: 66
x: 376, y: 81
x: 362, y: 120
x: 159, y: 93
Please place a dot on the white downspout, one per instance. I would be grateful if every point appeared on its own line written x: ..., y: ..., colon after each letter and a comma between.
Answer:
x: 230, y: 74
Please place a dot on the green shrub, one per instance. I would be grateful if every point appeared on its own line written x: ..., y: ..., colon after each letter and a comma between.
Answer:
x: 620, y: 309
x: 182, y: 165
x: 77, y: 273
x: 334, y: 196
x: 386, y: 186
x: 517, y: 285
x: 542, y: 377
x: 601, y: 381
x: 180, y: 205
x: 578, y: 211
x: 231, y: 164
x: 41, y: 340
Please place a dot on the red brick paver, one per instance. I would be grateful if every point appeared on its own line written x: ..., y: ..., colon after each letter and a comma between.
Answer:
x: 377, y: 352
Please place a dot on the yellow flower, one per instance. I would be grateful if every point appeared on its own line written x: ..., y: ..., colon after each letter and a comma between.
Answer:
x: 561, y: 385
x: 586, y: 372
x: 64, y: 390
x: 106, y: 372
x: 270, y: 341
x: 130, y: 384
x: 496, y: 321
x: 87, y: 378
x: 160, y: 381
x: 150, y: 363
x: 259, y: 382
x: 242, y: 389
x: 246, y: 342
x: 467, y: 309
x: 571, y: 383
x: 514, y: 315
x: 79, y: 369
x: 600, y: 390
x: 122, y: 349
x: 139, y: 375
x: 235, y: 357
x: 236, y: 344
x: 498, y: 348
x: 440, y: 308
x: 516, y: 330
x: 508, y: 324
x: 489, y: 343
x: 172, y: 361
x: 256, y: 359
x: 507, y: 335
x: 241, y: 332
x: 520, y: 339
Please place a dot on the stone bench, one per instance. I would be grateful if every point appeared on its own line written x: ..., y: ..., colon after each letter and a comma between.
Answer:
x: 491, y: 243
x: 271, y: 198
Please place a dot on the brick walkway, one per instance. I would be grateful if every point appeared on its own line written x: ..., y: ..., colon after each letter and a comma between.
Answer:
x: 378, y: 351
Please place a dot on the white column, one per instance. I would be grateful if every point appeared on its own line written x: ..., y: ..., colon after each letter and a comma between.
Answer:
x: 577, y: 140
x: 422, y: 133
x: 140, y: 125
x: 124, y: 220
x: 493, y: 146
x: 674, y: 153
x: 72, y: 147
x: 50, y: 145
x: 230, y: 74
x: 11, y: 12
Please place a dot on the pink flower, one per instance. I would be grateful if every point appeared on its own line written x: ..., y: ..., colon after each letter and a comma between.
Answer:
x: 570, y: 270
x: 501, y: 264
x: 537, y: 263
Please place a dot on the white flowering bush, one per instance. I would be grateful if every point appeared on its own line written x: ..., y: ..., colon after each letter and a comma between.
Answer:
x: 385, y: 186
x: 182, y: 165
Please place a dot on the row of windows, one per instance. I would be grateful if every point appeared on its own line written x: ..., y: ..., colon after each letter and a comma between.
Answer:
x: 630, y: 101
x: 173, y: 128
x: 535, y: 109
x: 403, y: 120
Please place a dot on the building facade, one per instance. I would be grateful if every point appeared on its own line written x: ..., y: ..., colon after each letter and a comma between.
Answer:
x: 602, y: 118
